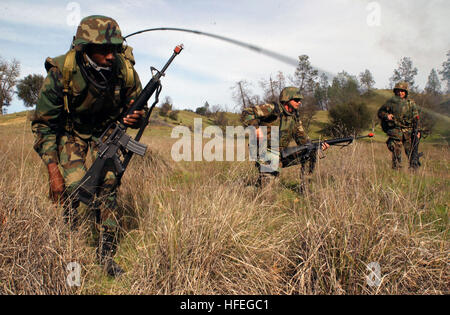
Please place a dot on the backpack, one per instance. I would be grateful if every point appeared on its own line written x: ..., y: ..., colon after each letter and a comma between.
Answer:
x: 67, y: 65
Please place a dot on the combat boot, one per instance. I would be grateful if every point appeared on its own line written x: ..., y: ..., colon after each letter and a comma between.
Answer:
x: 267, y: 180
x: 106, y: 251
x: 396, y: 162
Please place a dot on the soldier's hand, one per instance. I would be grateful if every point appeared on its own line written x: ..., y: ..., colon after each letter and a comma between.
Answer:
x: 134, y: 119
x: 325, y: 146
x: 390, y: 117
x: 56, y: 182
x: 418, y: 135
x: 259, y: 134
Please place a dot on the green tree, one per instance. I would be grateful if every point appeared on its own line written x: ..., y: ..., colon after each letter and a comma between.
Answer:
x: 173, y: 114
x: 305, y: 75
x: 445, y: 72
x: 344, y: 89
x: 433, y: 85
x: 405, y: 72
x: 367, y: 80
x: 204, y: 110
x: 28, y: 89
x: 9, y: 72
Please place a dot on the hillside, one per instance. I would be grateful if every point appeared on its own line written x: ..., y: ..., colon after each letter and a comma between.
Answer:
x: 440, y: 134
x: 203, y: 227
x: 160, y: 126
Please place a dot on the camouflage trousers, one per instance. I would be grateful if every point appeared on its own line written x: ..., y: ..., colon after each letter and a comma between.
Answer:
x: 397, y: 138
x: 268, y: 167
x: 76, y: 156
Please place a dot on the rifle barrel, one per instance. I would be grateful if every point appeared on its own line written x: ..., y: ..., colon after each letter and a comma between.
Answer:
x: 152, y: 85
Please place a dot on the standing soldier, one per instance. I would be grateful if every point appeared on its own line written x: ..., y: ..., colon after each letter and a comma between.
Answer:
x: 397, y: 116
x: 286, y: 117
x: 86, y: 90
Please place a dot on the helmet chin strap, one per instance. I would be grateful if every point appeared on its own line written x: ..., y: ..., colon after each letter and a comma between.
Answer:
x: 98, y: 70
x: 96, y: 66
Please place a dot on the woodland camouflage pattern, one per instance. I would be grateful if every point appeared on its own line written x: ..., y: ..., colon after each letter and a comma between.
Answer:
x: 68, y: 137
x: 399, y: 129
x: 290, y: 128
x: 401, y: 86
x: 91, y: 110
x: 274, y: 114
x: 98, y: 29
x: 290, y: 93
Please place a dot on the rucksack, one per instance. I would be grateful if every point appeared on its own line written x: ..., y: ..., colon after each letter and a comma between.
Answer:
x: 67, y: 65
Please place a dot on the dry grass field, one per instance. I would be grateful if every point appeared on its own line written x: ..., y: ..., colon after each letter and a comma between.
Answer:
x: 203, y: 228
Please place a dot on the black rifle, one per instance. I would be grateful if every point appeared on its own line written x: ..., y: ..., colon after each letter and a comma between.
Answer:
x: 115, y: 138
x: 301, y: 154
x: 415, y: 155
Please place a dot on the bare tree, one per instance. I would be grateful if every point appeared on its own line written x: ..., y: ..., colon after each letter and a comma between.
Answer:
x: 307, y: 111
x: 272, y: 87
x: 242, y: 94
x: 9, y: 72
x: 321, y: 92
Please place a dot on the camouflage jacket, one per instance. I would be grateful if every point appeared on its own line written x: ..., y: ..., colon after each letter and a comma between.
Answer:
x: 90, y: 112
x: 403, y: 110
x: 273, y: 114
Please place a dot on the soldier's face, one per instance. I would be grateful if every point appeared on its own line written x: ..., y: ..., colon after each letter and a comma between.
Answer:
x: 400, y: 93
x: 295, y: 103
x: 103, y: 55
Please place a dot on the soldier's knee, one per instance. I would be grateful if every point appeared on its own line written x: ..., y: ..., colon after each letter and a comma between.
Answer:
x: 391, y: 144
x: 72, y: 178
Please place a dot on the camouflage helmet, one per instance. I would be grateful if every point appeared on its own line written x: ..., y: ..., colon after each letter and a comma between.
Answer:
x: 98, y: 29
x: 290, y: 93
x: 403, y: 86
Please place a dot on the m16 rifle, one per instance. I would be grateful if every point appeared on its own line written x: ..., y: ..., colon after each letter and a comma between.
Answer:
x: 115, y: 139
x: 301, y: 154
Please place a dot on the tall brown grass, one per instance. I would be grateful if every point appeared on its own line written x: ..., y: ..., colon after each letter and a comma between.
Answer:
x: 203, y: 228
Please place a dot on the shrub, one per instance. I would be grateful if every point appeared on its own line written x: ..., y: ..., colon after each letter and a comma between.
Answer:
x: 347, y: 119
x: 173, y: 114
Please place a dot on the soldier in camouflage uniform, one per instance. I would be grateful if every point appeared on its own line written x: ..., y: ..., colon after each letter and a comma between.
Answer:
x: 397, y: 116
x: 285, y: 115
x: 86, y: 90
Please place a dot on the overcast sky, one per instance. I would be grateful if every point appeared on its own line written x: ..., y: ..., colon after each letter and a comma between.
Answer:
x: 350, y: 35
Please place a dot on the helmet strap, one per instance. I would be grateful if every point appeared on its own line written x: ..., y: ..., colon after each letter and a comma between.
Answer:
x: 96, y: 66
